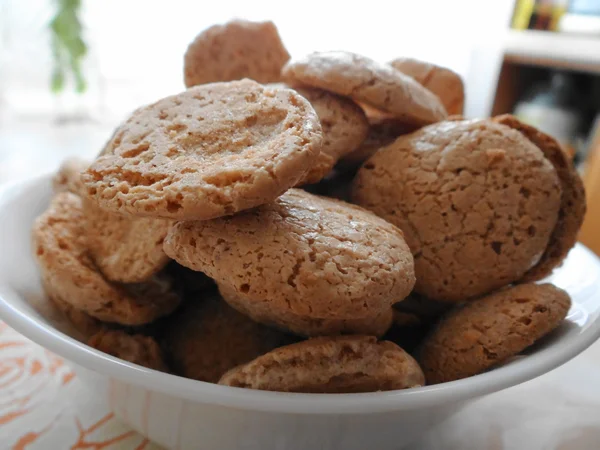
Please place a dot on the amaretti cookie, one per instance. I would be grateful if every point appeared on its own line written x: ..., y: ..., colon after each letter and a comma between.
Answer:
x: 312, y: 256
x: 487, y: 331
x: 467, y: 194
x: 207, y: 337
x: 238, y: 49
x: 210, y: 151
x: 134, y: 348
x: 342, y: 364
x: 367, y: 81
x: 68, y: 176
x: 376, y: 325
x: 443, y: 82
x: 69, y: 275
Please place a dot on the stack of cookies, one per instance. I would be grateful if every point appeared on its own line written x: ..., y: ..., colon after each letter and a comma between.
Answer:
x: 208, y: 238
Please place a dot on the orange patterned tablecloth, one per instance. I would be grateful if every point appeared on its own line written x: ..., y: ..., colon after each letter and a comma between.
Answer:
x: 42, y: 406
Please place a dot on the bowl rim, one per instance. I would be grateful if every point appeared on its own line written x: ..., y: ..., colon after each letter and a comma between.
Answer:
x: 511, y: 374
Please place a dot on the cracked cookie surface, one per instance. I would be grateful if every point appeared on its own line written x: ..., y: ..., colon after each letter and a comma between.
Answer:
x: 365, y: 80
x: 376, y: 325
x: 69, y: 274
x: 207, y: 337
x: 126, y: 249
x: 342, y: 364
x: 468, y: 196
x: 238, y: 49
x: 313, y: 256
x: 572, y: 204
x: 68, y: 176
x: 210, y: 151
x: 441, y: 81
x: 487, y: 331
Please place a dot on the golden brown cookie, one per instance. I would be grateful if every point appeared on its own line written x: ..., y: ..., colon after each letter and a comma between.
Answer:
x: 68, y: 176
x: 365, y: 80
x: 487, y: 331
x: 376, y: 325
x: 83, y: 323
x: 443, y: 82
x: 312, y: 256
x: 572, y: 205
x: 344, y: 127
x: 68, y: 272
x: 134, y: 348
x: 477, y: 202
x: 210, y: 151
x: 382, y: 131
x: 207, y: 337
x: 239, y: 49
x: 342, y: 364
x: 126, y: 249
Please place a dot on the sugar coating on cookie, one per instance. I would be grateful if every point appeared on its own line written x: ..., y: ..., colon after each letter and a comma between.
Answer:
x: 68, y: 176
x: 126, y: 249
x: 69, y: 274
x: 210, y: 151
x: 134, y: 348
x: 364, y: 80
x: 344, y: 126
x: 487, y: 331
x: 207, y: 337
x: 477, y: 202
x: 441, y: 81
x: 313, y: 256
x: 376, y: 325
x: 342, y: 364
x: 572, y: 205
x: 238, y: 49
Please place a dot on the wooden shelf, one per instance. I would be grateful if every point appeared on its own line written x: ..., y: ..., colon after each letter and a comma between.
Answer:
x: 541, y: 48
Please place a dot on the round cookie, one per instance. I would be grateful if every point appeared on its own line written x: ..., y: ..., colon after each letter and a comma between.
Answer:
x: 68, y: 176
x: 488, y: 331
x: 239, y: 49
x: 342, y: 364
x: 287, y: 321
x: 572, y: 204
x: 468, y: 195
x: 365, y: 80
x: 126, y: 249
x: 311, y: 256
x: 443, y: 82
x: 382, y: 131
x: 207, y: 337
x: 344, y: 126
x: 210, y: 151
x: 68, y: 272
x: 137, y: 348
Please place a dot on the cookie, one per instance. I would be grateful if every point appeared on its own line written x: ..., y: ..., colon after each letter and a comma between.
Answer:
x: 137, y: 348
x: 443, y: 82
x: 572, y: 205
x: 84, y: 324
x: 210, y: 151
x: 477, y: 202
x: 68, y: 176
x: 69, y: 274
x: 126, y: 249
x: 488, y: 331
x: 344, y: 126
x: 207, y: 337
x: 311, y: 256
x: 382, y: 131
x: 376, y: 325
x: 239, y: 49
x: 367, y: 81
x: 342, y: 364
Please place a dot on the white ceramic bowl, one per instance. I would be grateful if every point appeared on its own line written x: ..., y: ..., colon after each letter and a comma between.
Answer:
x: 181, y: 413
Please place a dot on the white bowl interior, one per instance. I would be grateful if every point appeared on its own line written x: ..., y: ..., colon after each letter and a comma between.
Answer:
x: 24, y: 307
